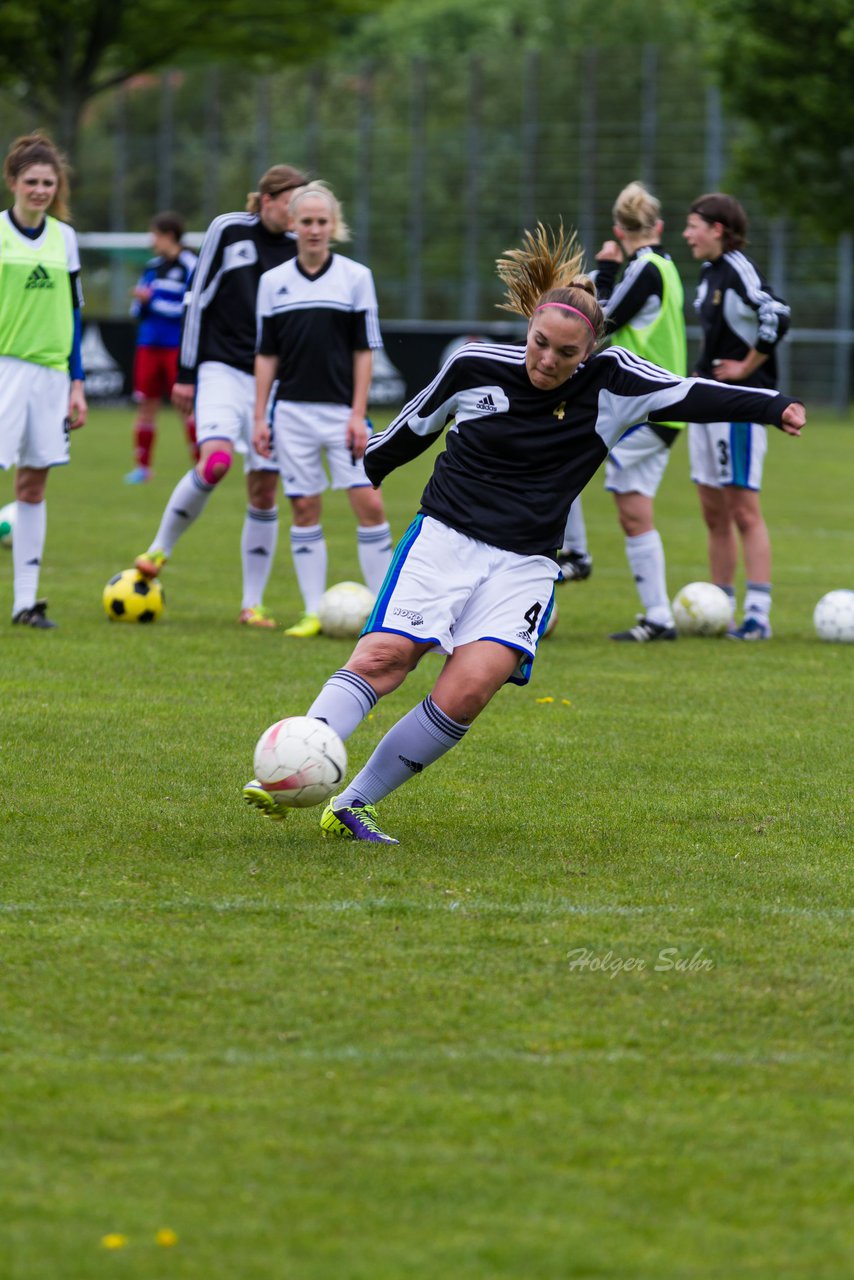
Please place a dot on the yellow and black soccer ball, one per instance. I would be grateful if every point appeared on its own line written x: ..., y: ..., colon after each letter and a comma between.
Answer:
x: 130, y: 597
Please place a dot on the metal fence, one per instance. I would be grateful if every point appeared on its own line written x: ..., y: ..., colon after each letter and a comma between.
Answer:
x: 441, y: 165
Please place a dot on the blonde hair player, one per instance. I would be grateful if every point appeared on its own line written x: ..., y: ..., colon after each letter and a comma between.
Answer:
x: 41, y: 370
x: 473, y: 576
x: 645, y: 314
x: 318, y: 328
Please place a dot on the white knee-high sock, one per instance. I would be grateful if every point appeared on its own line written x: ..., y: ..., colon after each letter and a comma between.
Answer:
x: 575, y: 533
x: 27, y: 551
x: 375, y: 551
x: 343, y: 702
x: 645, y: 554
x: 257, y: 548
x: 423, y: 735
x: 188, y: 501
x: 308, y: 548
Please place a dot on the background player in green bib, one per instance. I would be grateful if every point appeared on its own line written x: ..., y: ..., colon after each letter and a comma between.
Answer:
x: 41, y: 371
x: 646, y: 315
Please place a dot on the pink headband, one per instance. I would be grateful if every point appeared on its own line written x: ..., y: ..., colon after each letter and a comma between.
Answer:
x: 564, y: 307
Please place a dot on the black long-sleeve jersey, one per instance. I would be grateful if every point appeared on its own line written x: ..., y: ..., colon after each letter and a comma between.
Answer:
x: 638, y: 295
x: 738, y: 311
x: 516, y: 457
x: 219, y: 320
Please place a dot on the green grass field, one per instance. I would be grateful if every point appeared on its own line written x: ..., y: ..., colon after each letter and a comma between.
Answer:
x: 318, y: 1062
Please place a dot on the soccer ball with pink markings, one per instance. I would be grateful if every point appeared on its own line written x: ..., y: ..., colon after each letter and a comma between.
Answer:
x: 300, y: 761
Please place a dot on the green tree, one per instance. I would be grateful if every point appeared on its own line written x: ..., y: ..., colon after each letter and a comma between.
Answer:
x: 785, y: 69
x: 58, y: 54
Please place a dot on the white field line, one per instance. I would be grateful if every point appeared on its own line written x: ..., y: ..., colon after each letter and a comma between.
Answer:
x: 428, y: 1055
x: 552, y: 908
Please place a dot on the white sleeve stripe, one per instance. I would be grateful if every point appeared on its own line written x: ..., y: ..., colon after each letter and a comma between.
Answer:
x: 753, y: 285
x: 196, y: 301
x: 643, y: 368
x: 632, y: 271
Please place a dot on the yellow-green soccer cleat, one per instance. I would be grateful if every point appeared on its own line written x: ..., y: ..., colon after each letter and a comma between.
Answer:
x: 150, y: 563
x: 307, y: 627
x: 269, y: 805
x: 354, y: 822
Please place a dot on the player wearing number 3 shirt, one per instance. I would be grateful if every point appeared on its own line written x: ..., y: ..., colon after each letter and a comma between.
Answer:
x: 473, y: 577
x: 742, y: 323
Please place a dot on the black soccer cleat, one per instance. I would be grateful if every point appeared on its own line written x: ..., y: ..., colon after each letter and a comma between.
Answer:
x: 35, y: 616
x: 575, y: 566
x: 644, y: 631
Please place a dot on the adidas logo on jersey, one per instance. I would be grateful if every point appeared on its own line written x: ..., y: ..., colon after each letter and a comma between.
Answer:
x: 39, y: 279
x: 284, y: 289
x: 486, y: 404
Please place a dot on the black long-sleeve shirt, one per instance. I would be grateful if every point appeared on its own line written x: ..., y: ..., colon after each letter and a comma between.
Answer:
x: 516, y: 457
x: 738, y: 311
x: 219, y: 320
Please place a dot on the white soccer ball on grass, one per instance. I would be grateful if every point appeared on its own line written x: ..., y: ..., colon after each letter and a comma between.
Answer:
x: 344, y: 609
x: 833, y: 617
x: 300, y: 761
x: 701, y: 609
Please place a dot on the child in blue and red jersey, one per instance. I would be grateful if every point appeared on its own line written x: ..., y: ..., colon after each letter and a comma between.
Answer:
x: 158, y: 305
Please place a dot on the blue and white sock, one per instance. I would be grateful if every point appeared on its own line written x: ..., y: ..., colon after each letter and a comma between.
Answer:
x: 757, y: 601
x: 27, y: 551
x: 423, y: 735
x: 308, y: 548
x: 343, y: 702
x: 257, y: 548
x: 375, y: 551
x: 188, y: 501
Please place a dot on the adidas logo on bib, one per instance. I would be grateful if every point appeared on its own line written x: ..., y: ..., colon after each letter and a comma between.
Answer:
x: 486, y: 404
x: 39, y: 279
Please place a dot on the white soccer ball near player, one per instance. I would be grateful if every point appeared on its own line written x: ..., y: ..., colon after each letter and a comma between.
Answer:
x: 701, y: 609
x: 344, y: 609
x: 833, y: 617
x: 300, y: 761
x: 7, y: 523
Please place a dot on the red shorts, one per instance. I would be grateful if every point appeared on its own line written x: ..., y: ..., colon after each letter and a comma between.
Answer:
x: 155, y: 372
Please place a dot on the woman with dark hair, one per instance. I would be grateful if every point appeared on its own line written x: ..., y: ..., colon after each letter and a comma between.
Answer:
x: 473, y: 576
x: 41, y: 370
x: 743, y: 321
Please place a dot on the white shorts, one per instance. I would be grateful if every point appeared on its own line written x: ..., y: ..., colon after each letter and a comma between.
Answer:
x: 446, y: 589
x: 225, y: 410
x: 33, y: 414
x: 637, y: 462
x: 302, y: 434
x: 727, y: 453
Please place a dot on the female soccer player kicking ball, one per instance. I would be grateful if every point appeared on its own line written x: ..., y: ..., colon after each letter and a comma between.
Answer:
x: 473, y: 577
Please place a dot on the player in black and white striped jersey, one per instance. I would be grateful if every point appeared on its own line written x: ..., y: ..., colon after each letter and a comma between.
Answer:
x: 318, y: 327
x: 473, y: 577
x: 216, y: 372
x: 743, y: 321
